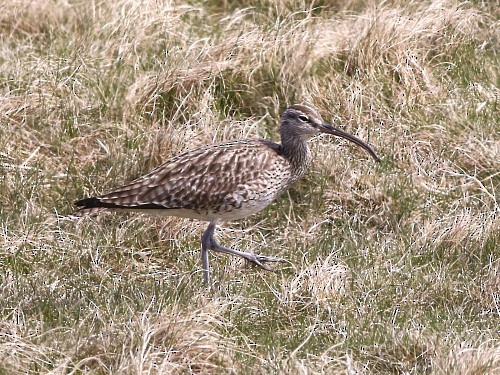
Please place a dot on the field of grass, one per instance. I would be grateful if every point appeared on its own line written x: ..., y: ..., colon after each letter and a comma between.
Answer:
x: 393, y: 268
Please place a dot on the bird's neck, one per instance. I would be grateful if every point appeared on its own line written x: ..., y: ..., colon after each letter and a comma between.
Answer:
x: 296, y: 151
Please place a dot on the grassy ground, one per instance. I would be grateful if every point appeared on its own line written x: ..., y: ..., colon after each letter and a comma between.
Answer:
x: 393, y: 267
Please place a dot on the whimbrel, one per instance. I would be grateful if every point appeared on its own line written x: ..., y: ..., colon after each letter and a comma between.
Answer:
x: 226, y: 181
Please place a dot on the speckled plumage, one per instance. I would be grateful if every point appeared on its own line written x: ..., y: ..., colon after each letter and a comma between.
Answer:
x: 226, y: 181
x: 207, y: 183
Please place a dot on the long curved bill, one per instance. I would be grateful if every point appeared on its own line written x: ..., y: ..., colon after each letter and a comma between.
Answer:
x: 328, y: 129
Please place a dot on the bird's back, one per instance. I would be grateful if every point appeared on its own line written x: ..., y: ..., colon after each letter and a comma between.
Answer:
x: 224, y: 181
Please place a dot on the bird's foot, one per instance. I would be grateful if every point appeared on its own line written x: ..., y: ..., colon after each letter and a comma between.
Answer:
x: 209, y: 243
x: 260, y: 259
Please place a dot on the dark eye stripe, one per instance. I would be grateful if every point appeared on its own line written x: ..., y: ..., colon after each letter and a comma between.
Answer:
x: 304, y: 118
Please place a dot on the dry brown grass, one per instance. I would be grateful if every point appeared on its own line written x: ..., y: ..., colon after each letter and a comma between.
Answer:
x: 393, y: 268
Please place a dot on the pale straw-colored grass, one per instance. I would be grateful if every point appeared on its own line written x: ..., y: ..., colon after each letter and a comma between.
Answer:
x: 392, y: 267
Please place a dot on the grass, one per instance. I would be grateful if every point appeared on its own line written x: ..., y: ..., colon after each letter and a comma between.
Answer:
x: 393, y: 268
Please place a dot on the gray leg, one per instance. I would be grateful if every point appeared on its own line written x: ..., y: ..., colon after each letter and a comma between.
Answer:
x: 251, y: 257
x: 208, y: 242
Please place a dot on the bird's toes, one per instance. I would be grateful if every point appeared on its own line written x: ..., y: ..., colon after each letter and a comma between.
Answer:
x: 263, y: 258
x: 259, y: 259
x: 265, y: 267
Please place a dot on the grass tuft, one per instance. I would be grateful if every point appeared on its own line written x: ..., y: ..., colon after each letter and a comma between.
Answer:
x: 392, y: 267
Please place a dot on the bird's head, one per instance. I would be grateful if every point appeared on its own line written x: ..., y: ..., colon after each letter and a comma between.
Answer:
x: 302, y: 121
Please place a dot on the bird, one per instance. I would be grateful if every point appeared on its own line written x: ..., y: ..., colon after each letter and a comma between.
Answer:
x: 225, y: 181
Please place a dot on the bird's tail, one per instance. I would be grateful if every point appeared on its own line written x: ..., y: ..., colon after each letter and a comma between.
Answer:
x: 92, y: 211
x: 88, y: 207
x: 95, y: 205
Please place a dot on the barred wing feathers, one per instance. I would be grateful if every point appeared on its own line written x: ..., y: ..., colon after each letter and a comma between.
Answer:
x: 209, y: 178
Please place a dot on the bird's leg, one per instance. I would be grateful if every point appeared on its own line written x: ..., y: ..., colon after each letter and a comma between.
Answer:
x: 210, y: 243
x: 251, y: 257
x: 206, y: 242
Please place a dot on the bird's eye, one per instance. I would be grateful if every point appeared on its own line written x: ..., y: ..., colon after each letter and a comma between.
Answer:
x: 304, y: 118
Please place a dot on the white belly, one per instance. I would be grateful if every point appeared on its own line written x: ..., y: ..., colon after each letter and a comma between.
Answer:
x: 226, y: 214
